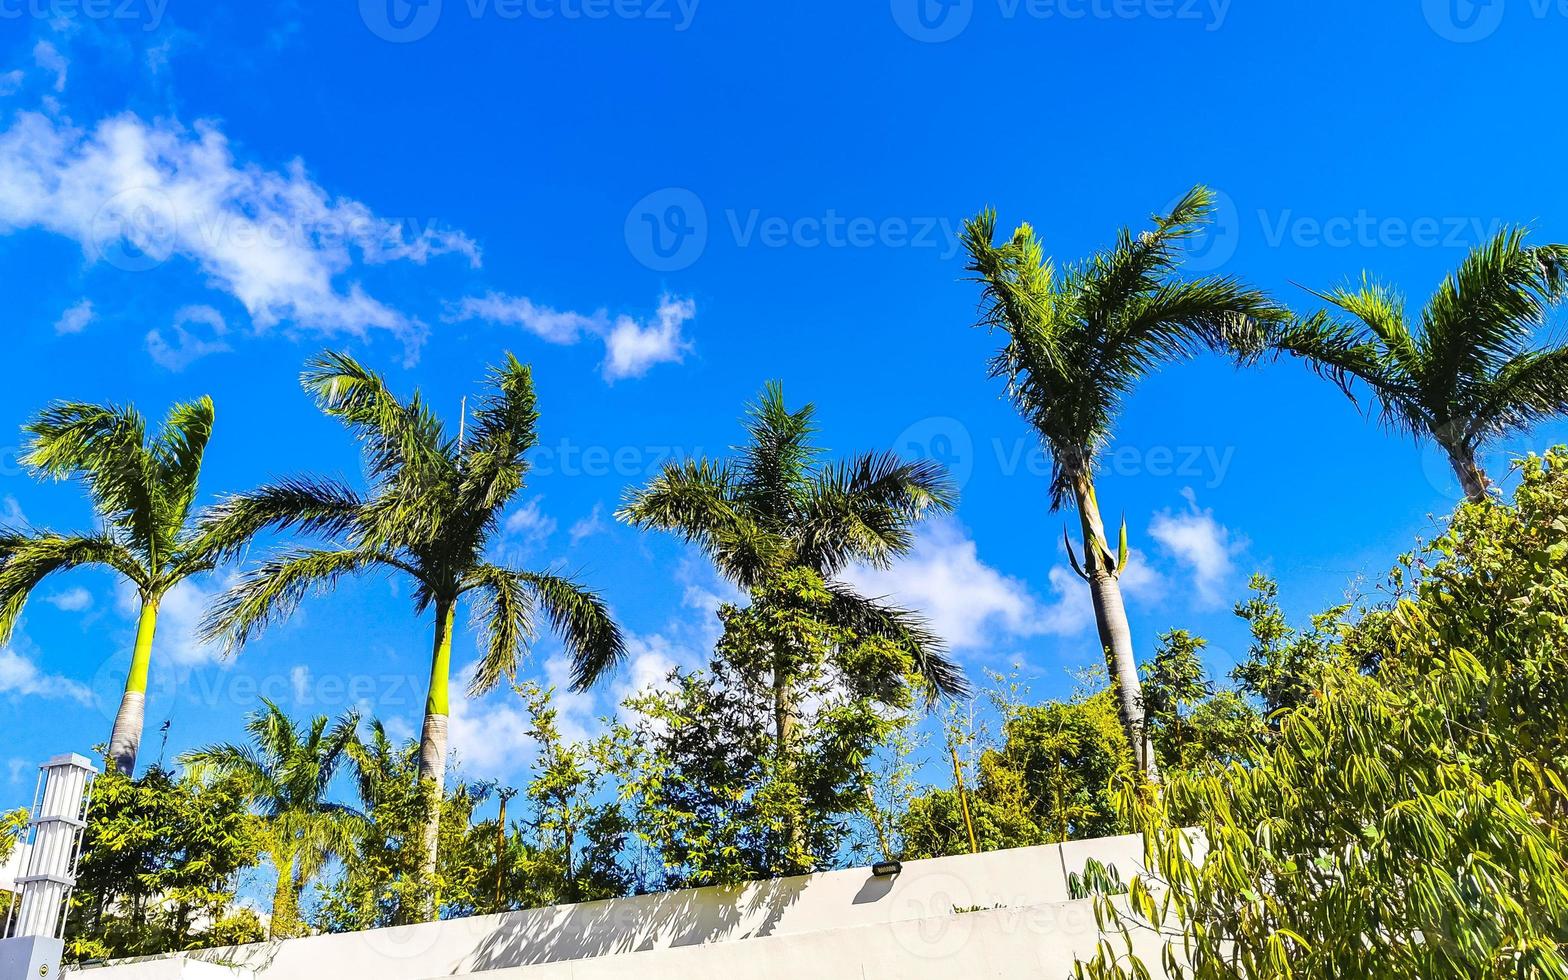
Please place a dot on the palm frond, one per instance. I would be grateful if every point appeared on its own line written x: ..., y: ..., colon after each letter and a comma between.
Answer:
x: 877, y: 618
x: 315, y: 506
x: 396, y: 436
x: 583, y: 623
x: 505, y: 429
x: 774, y: 463
x: 177, y: 455
x: 105, y: 448
x: 273, y: 591
x: 1529, y: 389
x: 504, y: 612
x: 29, y: 559
x: 865, y: 509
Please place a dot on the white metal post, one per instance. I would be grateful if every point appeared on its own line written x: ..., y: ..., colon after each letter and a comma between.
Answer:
x: 37, y: 919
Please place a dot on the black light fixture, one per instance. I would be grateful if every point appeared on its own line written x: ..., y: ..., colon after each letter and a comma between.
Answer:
x: 886, y: 869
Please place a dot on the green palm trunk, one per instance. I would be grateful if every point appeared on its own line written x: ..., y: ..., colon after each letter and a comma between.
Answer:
x: 285, y: 900
x: 433, y: 740
x: 126, y: 737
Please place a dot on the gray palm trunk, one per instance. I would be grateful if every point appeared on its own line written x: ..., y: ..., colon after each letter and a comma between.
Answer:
x: 432, y: 771
x: 1110, y: 617
x: 1471, y: 477
x: 125, y: 739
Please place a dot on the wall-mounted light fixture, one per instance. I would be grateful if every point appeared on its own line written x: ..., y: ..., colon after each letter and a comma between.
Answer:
x: 886, y: 869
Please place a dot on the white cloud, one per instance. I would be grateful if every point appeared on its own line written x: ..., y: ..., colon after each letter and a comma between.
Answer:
x: 179, y: 619
x: 21, y: 677
x: 49, y: 58
x: 10, y: 82
x: 589, y: 526
x: 1201, y: 544
x: 188, y: 346
x: 135, y: 193
x: 649, y: 660
x: 631, y: 347
x: 72, y: 600
x: 11, y: 513
x: 75, y: 319
x: 968, y: 602
x: 530, y: 527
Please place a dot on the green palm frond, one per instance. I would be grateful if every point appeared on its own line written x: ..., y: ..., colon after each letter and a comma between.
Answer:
x: 1080, y: 341
x: 775, y: 463
x: 315, y: 506
x: 1468, y: 374
x: 397, y: 437
x: 275, y: 589
x: 864, y: 510
x: 878, y: 618
x: 105, y: 447
x: 505, y: 429
x: 177, y: 455
x: 582, y: 621
x: 504, y: 611
x: 29, y: 559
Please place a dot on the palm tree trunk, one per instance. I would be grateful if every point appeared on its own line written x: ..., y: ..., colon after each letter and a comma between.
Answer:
x: 1110, y: 616
x: 433, y: 741
x: 783, y: 731
x: 126, y: 738
x: 1471, y: 477
x: 285, y: 903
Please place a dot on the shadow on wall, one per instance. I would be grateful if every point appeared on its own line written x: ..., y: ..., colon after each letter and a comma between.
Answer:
x: 684, y: 918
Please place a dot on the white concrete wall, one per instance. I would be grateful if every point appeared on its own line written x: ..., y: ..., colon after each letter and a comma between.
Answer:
x: 911, y: 916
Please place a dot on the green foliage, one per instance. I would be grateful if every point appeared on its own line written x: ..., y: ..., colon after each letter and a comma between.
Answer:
x: 285, y: 772
x: 1467, y: 374
x: 728, y: 783
x: 160, y: 857
x: 1284, y: 668
x: 779, y: 507
x: 1407, y: 823
x: 1189, y: 722
x: 1049, y: 780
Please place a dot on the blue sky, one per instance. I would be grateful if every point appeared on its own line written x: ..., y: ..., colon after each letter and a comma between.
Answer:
x: 662, y: 206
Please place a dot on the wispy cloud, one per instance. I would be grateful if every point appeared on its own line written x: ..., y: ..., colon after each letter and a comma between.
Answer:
x: 589, y: 526
x: 188, y: 344
x: 49, y: 58
x: 1204, y: 546
x: 71, y: 600
x: 632, y: 347
x: 76, y: 318
x: 20, y: 677
x: 135, y: 194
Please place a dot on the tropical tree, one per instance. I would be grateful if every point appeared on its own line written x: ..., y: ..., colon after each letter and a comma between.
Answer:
x: 144, y: 491
x: 1468, y: 374
x: 1079, y: 340
x: 778, y: 506
x: 285, y: 772
x: 433, y: 507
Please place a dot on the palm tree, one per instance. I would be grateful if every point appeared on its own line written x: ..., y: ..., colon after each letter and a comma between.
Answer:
x: 286, y: 772
x: 1468, y: 375
x: 1079, y: 341
x: 433, y: 507
x: 144, y: 491
x: 777, y: 507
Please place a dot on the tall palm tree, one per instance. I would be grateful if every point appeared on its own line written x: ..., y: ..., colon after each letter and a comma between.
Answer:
x: 777, y: 506
x: 144, y: 491
x: 1079, y: 341
x: 1468, y: 375
x: 286, y: 772
x: 433, y: 507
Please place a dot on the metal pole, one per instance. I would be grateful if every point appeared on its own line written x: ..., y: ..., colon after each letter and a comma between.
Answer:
x: 963, y: 798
